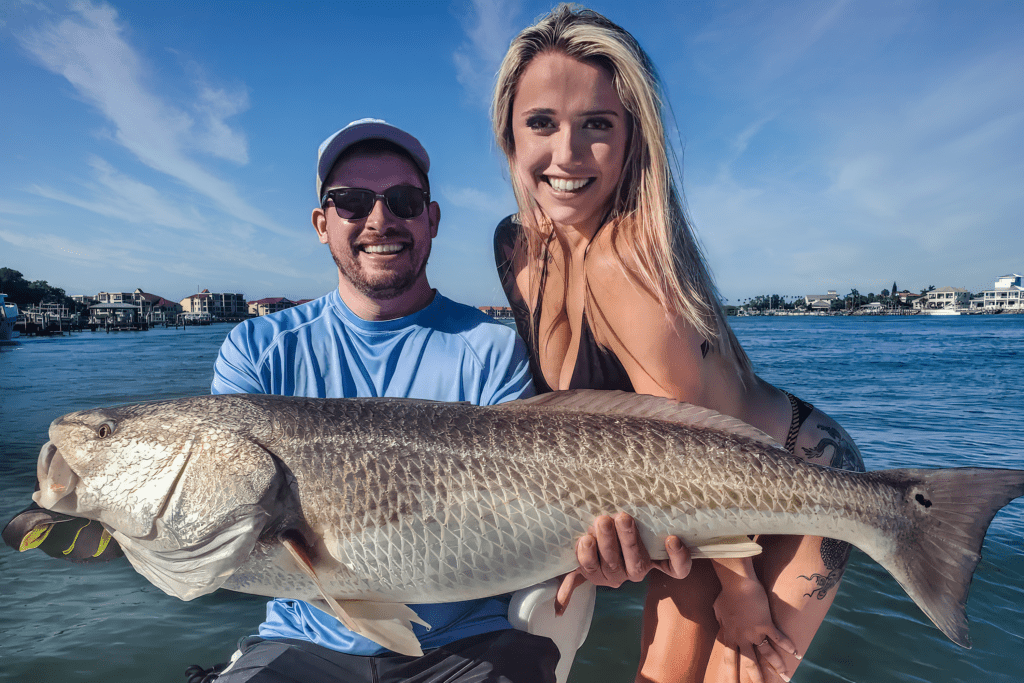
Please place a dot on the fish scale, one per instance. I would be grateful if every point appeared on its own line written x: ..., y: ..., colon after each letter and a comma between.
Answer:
x: 372, y: 503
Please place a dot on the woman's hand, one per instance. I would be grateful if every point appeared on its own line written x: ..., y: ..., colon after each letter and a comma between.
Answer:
x: 612, y: 553
x: 749, y: 634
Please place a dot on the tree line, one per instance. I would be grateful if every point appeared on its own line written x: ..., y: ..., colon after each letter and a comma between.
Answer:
x: 782, y: 302
x: 25, y: 293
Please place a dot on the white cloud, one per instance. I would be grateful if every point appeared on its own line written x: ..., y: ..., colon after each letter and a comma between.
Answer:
x: 115, y: 195
x: 489, y: 28
x: 216, y: 137
x: 898, y: 160
x: 472, y: 198
x: 95, y: 254
x: 941, y: 163
x: 88, y: 48
x: 16, y: 208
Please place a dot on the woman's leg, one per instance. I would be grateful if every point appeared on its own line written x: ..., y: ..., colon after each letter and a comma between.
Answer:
x: 801, y: 576
x: 679, y: 626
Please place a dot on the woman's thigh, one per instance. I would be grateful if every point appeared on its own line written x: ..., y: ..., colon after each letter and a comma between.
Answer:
x: 679, y: 625
x: 801, y: 576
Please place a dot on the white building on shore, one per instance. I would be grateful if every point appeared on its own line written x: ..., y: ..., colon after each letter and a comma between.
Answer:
x: 217, y: 305
x: 812, y: 298
x: 944, y: 297
x: 1008, y: 294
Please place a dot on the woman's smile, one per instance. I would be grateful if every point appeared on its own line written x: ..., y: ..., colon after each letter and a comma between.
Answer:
x: 568, y: 184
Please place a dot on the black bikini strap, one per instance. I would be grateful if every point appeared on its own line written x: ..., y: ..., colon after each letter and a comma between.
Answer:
x: 801, y: 411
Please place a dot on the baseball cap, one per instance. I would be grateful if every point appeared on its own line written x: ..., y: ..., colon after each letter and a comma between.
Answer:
x: 366, y: 129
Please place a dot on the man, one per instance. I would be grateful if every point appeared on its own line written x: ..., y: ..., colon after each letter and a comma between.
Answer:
x: 383, y: 332
x: 386, y: 332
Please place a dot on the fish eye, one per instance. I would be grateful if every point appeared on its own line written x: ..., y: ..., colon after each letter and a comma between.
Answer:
x: 105, y: 430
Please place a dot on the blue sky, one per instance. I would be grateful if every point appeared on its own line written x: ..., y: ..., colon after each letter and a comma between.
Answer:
x: 827, y: 145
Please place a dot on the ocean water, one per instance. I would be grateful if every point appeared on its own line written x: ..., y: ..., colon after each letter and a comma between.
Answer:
x: 913, y: 391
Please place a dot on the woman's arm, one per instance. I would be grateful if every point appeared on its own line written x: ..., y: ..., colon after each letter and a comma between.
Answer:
x: 664, y: 356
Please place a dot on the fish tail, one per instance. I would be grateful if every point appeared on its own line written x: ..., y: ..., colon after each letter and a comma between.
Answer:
x: 934, y: 558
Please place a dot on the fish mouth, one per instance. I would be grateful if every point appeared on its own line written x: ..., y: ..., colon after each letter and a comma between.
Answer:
x: 57, y: 481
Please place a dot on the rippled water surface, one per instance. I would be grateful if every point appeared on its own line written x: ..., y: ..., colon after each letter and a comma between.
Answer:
x: 934, y: 392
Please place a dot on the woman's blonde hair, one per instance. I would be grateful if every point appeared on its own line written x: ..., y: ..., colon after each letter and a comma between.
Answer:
x: 647, y: 207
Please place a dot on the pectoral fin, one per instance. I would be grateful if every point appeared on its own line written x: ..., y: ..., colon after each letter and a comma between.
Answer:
x: 389, y: 624
x: 725, y: 546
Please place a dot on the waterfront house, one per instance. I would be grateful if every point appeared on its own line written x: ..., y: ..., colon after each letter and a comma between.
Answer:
x: 820, y: 306
x: 155, y: 309
x: 150, y: 308
x: 1007, y: 295
x: 114, y: 298
x: 908, y: 298
x: 810, y: 299
x: 216, y: 305
x: 115, y: 314
x: 270, y: 305
x: 502, y: 312
x: 944, y: 297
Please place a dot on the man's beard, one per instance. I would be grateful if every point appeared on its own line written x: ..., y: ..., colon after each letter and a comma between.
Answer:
x: 384, y: 286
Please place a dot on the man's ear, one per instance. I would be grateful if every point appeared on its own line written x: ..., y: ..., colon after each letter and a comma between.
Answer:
x: 434, y: 213
x: 320, y: 224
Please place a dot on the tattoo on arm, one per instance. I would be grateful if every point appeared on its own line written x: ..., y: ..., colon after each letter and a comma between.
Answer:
x: 838, y: 451
x: 835, y: 450
x: 834, y: 555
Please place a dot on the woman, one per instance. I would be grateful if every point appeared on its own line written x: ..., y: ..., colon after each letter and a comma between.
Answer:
x: 611, y: 292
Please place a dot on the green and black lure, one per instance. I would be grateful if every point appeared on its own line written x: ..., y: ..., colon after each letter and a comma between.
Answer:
x: 75, y: 539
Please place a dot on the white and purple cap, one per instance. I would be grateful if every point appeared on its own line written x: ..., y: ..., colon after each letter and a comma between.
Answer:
x: 366, y: 129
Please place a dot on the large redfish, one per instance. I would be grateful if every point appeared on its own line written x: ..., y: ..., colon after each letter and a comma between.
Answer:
x: 370, y: 504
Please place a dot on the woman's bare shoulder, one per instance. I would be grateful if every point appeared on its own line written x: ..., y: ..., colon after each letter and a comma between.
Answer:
x: 614, y: 279
x: 661, y: 353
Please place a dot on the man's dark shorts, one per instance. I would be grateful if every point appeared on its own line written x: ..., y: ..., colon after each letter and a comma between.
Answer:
x: 508, y: 656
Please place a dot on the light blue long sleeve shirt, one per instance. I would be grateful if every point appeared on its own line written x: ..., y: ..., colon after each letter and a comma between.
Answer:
x: 444, y: 352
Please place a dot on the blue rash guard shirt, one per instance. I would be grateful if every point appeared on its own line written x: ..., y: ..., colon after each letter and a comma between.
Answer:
x: 443, y: 352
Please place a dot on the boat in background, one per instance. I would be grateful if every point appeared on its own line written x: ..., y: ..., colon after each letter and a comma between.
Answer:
x: 8, y: 316
x: 940, y: 311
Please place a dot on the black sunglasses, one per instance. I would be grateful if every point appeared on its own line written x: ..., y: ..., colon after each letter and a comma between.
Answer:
x: 353, y: 203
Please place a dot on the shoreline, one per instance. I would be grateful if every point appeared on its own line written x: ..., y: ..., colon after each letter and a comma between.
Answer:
x: 852, y: 314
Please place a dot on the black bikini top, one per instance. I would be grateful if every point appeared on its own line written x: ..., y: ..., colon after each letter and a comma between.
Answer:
x: 596, y: 367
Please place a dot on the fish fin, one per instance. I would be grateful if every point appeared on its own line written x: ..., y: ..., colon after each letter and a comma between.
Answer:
x: 387, y: 624
x: 628, y: 404
x: 403, y: 399
x: 950, y: 510
x: 187, y: 572
x: 725, y: 546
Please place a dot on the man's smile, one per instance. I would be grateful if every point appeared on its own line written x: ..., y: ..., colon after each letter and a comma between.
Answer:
x: 381, y: 248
